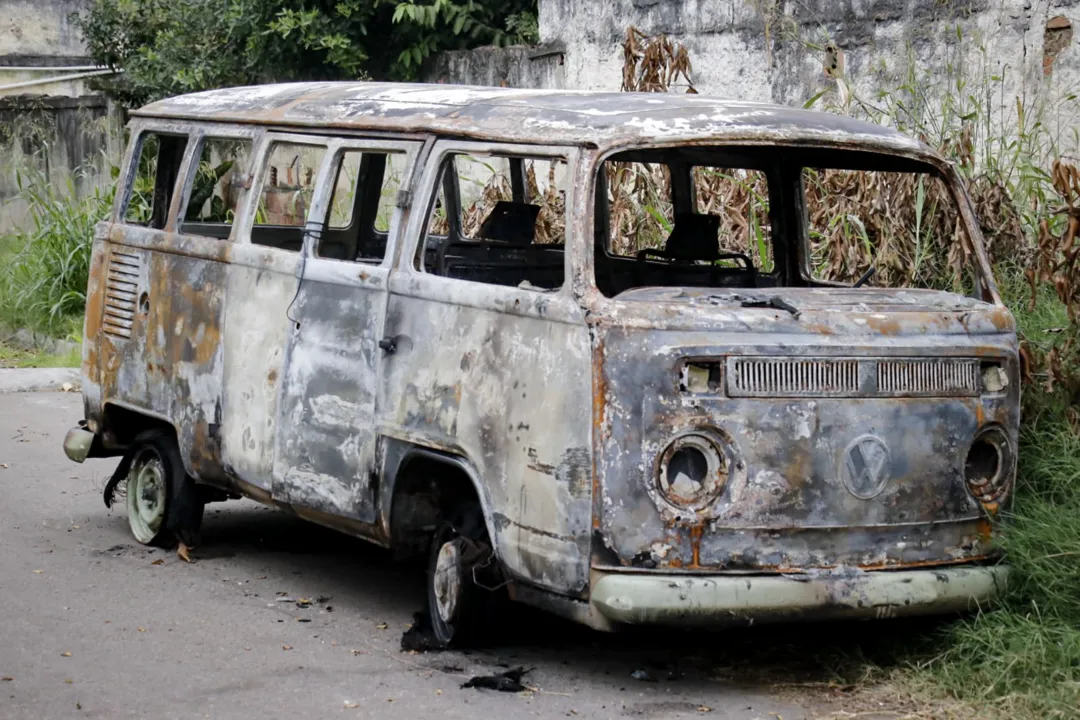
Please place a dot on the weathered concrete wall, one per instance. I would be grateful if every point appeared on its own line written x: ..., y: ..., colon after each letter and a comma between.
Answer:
x: 38, y: 41
x: 60, y: 129
x: 34, y: 30
x: 774, y: 50
x: 517, y: 66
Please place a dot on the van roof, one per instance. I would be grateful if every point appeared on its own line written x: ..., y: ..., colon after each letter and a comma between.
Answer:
x: 556, y: 117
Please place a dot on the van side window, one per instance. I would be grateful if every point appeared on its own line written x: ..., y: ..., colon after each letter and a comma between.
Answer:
x: 361, y: 205
x: 156, y: 170
x: 499, y: 220
x: 285, y: 194
x: 216, y: 187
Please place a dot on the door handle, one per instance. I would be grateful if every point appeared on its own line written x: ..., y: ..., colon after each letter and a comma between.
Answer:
x: 388, y: 345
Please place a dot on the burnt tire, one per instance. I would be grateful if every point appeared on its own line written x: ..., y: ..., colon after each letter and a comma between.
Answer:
x: 462, y: 611
x: 163, y: 503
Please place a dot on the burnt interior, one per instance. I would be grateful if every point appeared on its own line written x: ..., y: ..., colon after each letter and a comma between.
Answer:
x: 505, y: 251
x: 695, y: 251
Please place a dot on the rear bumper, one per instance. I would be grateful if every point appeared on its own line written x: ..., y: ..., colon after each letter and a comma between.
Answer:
x: 629, y: 598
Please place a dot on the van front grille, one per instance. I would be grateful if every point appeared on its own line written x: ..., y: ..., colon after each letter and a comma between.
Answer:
x: 928, y: 377
x: 852, y: 377
x: 791, y: 377
x: 121, y: 293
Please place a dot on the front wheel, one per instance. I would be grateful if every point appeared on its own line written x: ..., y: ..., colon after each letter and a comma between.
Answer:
x: 457, y: 604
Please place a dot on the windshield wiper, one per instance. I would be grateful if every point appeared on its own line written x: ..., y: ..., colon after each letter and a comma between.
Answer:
x: 865, y: 276
x: 776, y: 302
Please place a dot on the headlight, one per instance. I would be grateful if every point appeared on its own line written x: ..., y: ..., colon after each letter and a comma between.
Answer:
x: 692, y: 472
x: 989, y: 465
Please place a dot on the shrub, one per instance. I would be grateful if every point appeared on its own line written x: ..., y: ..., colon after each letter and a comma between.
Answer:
x: 46, y: 264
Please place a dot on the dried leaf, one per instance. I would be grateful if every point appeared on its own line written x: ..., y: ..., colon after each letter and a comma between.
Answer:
x: 159, y: 561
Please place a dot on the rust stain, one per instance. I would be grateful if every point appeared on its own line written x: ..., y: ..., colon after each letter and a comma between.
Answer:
x: 599, y: 406
x: 887, y: 325
x: 696, y: 532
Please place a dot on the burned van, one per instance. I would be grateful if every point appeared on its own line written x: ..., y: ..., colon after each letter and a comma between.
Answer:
x: 632, y: 358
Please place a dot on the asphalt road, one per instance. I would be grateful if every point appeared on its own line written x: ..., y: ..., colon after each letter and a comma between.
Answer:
x: 96, y: 626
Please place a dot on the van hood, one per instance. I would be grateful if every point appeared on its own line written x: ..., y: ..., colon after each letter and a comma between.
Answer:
x: 810, y: 312
x: 798, y: 299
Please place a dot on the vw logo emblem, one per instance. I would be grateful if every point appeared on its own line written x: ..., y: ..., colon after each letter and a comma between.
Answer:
x: 866, y: 468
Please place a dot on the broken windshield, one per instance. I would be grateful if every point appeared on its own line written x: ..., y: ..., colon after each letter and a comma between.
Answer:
x: 775, y: 217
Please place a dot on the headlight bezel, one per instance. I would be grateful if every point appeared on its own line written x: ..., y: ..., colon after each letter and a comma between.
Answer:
x: 721, y: 459
x: 989, y: 491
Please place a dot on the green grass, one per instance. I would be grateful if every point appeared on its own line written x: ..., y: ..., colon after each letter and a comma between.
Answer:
x: 14, y: 357
x: 44, y: 265
x: 1021, y: 659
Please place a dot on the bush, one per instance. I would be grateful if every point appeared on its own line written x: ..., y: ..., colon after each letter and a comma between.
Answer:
x: 46, y: 264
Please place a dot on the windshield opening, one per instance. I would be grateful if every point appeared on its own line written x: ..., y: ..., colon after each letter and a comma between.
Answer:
x: 770, y: 217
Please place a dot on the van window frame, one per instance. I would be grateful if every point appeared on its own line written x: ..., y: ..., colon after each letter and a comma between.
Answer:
x: 261, y: 153
x: 140, y: 130
x: 431, y: 181
x: 196, y: 138
x: 326, y: 181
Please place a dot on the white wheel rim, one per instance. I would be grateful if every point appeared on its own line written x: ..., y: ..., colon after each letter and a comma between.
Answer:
x: 447, y: 582
x: 146, y: 490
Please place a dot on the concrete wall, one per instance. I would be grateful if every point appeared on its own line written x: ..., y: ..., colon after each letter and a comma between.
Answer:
x: 58, y: 127
x: 775, y: 50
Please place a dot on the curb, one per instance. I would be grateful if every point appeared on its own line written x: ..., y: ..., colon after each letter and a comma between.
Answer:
x: 21, y: 380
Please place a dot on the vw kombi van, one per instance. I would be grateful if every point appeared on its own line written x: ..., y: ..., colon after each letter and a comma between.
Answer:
x: 625, y: 357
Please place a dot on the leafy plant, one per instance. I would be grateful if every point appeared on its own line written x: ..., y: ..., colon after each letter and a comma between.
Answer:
x: 43, y: 282
x: 168, y: 48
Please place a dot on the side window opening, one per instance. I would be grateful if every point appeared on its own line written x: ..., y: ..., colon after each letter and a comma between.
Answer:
x: 499, y: 220
x: 285, y: 193
x: 156, y: 172
x: 361, y: 206
x: 216, y: 187
x: 682, y: 219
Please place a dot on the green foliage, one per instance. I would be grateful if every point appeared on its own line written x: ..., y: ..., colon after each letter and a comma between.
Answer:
x: 12, y: 356
x: 46, y: 266
x: 1023, y: 658
x: 172, y: 47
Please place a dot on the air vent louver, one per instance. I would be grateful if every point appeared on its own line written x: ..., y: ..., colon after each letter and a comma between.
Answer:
x: 121, y: 293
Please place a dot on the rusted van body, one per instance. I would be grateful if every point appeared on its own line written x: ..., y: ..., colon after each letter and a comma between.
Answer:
x: 661, y: 432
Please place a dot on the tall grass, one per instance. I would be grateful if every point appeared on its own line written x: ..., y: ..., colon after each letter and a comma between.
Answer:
x: 46, y: 261
x: 1022, y: 657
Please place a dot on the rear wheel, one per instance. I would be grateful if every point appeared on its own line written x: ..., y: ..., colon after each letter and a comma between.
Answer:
x: 163, y: 503
x: 460, y: 607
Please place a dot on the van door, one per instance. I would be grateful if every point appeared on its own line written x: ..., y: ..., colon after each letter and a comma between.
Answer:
x: 324, y: 458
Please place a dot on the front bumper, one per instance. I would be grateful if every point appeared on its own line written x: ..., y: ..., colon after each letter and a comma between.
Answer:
x: 78, y: 443
x: 638, y: 598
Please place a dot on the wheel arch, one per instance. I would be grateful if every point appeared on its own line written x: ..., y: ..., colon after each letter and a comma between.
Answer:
x: 121, y: 423
x: 407, y: 467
